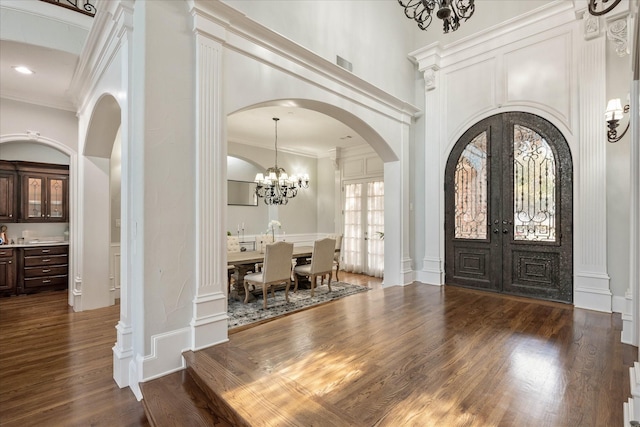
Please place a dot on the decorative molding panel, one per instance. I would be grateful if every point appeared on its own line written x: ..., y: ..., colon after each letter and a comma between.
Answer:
x: 617, y: 33
x: 353, y: 168
x: 540, y: 73
x: 469, y: 89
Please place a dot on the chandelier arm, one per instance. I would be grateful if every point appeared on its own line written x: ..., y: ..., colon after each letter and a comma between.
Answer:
x: 594, y: 3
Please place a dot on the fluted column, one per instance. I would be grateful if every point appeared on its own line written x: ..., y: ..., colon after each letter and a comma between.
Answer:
x: 591, y: 288
x: 433, y: 262
x: 209, y: 322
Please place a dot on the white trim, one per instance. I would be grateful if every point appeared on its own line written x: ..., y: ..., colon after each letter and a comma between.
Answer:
x: 166, y: 354
x: 122, y: 354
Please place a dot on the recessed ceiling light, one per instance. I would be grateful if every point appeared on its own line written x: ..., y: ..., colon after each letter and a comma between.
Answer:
x: 23, y: 70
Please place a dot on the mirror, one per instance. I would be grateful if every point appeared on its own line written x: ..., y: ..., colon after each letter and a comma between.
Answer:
x: 241, y: 193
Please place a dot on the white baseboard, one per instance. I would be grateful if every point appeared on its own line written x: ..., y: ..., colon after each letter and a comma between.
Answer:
x: 166, y: 354
x: 592, y: 291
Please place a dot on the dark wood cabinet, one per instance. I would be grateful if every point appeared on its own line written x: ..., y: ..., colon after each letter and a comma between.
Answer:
x: 44, y: 268
x: 8, y: 192
x: 7, y: 271
x: 33, y: 192
x: 44, y: 192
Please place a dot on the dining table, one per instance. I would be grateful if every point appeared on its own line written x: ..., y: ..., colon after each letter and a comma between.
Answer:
x: 245, y: 263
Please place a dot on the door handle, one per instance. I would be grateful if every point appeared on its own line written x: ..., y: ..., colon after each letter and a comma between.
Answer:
x: 505, y: 231
x: 495, y: 231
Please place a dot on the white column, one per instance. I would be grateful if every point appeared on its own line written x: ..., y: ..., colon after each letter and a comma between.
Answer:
x: 406, y: 269
x: 591, y: 287
x: 123, y: 348
x: 433, y: 261
x: 209, y: 322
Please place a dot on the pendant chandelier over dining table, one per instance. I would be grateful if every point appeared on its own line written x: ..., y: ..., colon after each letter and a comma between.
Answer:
x: 275, y: 186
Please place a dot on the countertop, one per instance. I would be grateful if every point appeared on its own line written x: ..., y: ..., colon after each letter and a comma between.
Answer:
x: 34, y: 244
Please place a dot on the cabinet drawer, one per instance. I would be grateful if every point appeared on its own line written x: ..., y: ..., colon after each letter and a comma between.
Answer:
x: 6, y: 253
x: 54, y: 270
x: 39, y: 282
x: 45, y: 250
x: 34, y: 261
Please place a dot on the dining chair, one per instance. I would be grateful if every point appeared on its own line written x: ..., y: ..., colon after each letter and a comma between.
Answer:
x: 276, y: 270
x: 262, y: 240
x: 321, y: 264
x: 336, y: 255
x: 233, y: 245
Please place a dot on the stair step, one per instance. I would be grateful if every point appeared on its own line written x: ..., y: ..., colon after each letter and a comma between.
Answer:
x: 176, y: 400
x: 247, y: 396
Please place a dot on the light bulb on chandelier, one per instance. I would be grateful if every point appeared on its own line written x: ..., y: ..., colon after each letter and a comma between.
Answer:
x: 275, y: 186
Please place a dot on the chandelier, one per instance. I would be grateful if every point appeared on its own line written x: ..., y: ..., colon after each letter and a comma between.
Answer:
x: 450, y: 11
x: 275, y: 186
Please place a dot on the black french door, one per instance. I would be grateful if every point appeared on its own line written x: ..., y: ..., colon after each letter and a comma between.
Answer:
x: 508, y: 209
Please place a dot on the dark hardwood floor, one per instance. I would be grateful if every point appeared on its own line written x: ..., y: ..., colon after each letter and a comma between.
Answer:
x: 56, y: 366
x: 418, y: 355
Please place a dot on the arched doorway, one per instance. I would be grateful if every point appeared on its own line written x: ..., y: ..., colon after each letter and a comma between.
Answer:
x: 508, y: 208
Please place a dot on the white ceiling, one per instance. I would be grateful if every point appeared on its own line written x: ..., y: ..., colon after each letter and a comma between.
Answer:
x: 29, y: 39
x: 48, y: 86
x: 300, y: 130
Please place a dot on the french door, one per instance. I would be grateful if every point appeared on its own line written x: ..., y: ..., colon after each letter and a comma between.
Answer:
x: 362, y: 241
x: 508, y: 209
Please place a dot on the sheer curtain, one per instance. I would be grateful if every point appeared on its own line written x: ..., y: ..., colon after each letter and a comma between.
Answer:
x: 352, y: 238
x: 364, y: 218
x: 375, y: 226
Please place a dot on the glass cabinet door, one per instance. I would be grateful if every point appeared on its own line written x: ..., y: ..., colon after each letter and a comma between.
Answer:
x: 35, y: 200
x: 56, y: 198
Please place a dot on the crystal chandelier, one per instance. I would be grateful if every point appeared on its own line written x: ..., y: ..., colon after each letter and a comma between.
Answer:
x: 450, y: 11
x: 275, y: 186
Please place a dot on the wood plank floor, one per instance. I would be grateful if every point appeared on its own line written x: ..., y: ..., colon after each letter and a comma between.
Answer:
x: 56, y: 366
x: 418, y: 355
x: 425, y: 356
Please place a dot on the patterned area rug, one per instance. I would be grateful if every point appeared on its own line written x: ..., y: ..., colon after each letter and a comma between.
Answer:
x: 244, y: 314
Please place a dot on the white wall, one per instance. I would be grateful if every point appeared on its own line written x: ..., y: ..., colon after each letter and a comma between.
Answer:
x: 330, y: 28
x: 20, y: 118
x: 299, y: 216
x: 115, y: 191
x: 488, y: 13
x: 326, y: 198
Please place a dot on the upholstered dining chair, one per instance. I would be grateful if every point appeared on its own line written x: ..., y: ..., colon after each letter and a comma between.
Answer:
x: 262, y: 240
x: 233, y: 245
x: 275, y: 270
x: 321, y: 264
x: 336, y: 255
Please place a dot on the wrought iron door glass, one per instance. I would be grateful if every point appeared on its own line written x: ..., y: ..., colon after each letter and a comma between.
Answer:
x: 471, y: 190
x: 534, y: 191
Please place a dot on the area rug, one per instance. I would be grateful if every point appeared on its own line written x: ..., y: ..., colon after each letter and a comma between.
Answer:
x: 241, y: 314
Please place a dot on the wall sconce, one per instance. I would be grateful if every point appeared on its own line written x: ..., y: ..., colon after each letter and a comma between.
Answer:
x: 614, y: 113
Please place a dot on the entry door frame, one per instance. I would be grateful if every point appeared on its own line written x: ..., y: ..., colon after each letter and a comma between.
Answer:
x: 498, y: 262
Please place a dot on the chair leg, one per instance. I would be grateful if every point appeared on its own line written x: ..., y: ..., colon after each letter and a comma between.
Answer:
x: 286, y: 291
x: 337, y: 269
x: 246, y: 292
x: 264, y: 296
x: 295, y: 288
x: 329, y: 281
x: 313, y: 284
